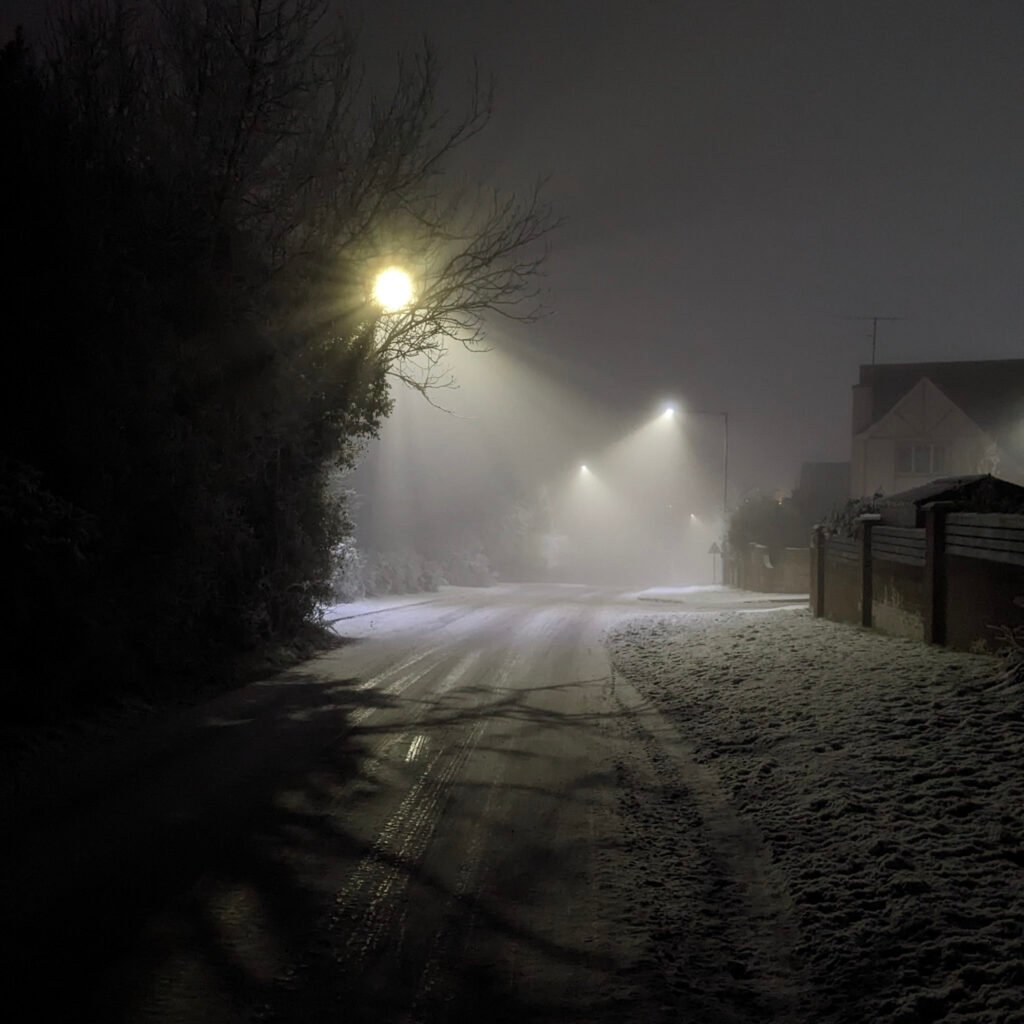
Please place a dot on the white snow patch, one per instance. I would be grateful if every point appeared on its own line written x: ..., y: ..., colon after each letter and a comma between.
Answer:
x: 718, y: 596
x: 373, y: 605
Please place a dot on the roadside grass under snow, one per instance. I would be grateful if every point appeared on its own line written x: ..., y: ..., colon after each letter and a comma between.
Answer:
x: 886, y: 778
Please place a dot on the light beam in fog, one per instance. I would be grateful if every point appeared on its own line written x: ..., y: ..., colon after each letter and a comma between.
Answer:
x: 443, y: 478
x: 506, y: 456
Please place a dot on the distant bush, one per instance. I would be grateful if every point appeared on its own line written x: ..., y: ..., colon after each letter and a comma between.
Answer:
x: 843, y: 522
x: 432, y: 577
x: 468, y: 566
x: 348, y: 579
x: 376, y: 574
x: 764, y: 520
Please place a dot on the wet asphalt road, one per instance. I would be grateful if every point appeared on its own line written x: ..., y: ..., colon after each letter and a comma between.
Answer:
x: 423, y: 825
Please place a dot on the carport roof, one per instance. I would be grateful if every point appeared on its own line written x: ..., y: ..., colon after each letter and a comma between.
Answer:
x: 978, y: 488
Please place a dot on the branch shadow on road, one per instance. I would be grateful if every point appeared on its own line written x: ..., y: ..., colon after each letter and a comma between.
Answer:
x: 216, y: 867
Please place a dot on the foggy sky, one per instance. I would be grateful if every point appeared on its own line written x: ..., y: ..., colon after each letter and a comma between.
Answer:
x: 739, y: 176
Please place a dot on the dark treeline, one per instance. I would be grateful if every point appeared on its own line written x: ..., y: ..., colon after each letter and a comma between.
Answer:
x: 197, y: 195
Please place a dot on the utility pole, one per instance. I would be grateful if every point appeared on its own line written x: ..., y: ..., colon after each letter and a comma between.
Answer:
x: 875, y: 344
x: 725, y: 469
x: 874, y: 329
x: 725, y: 456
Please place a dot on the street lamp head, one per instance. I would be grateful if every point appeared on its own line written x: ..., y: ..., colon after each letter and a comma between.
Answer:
x: 393, y: 290
x: 669, y: 412
x: 584, y: 470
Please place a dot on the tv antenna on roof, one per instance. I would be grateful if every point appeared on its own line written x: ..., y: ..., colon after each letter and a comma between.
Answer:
x: 874, y: 329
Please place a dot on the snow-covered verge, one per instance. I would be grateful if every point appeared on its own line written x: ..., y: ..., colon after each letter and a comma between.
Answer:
x: 885, y: 780
x: 717, y: 596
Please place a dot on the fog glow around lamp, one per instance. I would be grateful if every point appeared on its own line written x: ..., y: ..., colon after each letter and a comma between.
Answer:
x: 392, y: 290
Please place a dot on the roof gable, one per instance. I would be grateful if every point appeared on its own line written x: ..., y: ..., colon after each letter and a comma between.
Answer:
x: 990, y: 392
x: 925, y: 411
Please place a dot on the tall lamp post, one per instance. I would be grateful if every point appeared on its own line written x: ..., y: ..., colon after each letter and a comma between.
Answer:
x: 725, y: 485
x: 725, y: 458
x: 669, y: 413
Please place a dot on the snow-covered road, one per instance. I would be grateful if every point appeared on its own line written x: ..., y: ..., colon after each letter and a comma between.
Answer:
x: 465, y: 813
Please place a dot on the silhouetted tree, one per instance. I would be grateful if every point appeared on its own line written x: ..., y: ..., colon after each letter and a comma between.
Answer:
x: 768, y: 521
x: 199, y: 194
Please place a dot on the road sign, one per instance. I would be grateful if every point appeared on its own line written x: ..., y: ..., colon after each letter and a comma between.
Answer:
x: 714, y: 549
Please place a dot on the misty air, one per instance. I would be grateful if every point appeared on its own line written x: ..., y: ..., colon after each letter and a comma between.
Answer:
x: 513, y: 512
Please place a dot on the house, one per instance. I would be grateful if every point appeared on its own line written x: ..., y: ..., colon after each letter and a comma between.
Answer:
x: 913, y: 422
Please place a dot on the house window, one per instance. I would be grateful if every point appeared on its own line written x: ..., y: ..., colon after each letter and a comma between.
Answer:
x: 917, y: 459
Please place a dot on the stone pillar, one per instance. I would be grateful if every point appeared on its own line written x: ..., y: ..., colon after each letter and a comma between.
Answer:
x: 935, y: 571
x: 818, y: 572
x: 867, y: 598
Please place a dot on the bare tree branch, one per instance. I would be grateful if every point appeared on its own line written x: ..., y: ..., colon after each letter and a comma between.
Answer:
x: 287, y: 155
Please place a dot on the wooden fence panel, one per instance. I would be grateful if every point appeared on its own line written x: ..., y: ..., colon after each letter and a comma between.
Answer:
x: 898, y: 544
x: 992, y: 537
x: 845, y: 549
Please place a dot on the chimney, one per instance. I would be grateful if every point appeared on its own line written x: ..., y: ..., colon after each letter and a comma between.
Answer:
x: 863, y: 402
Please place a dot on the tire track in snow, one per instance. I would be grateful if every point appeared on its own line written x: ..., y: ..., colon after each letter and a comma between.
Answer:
x: 403, y: 838
x: 747, y: 919
x: 432, y: 1000
x: 368, y: 910
x: 368, y: 905
x: 371, y: 903
x: 482, y: 931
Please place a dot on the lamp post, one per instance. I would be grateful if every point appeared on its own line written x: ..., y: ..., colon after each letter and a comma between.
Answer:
x: 725, y: 457
x: 725, y: 485
x: 670, y: 411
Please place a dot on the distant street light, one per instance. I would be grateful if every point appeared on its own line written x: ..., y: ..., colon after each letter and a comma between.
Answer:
x: 393, y: 290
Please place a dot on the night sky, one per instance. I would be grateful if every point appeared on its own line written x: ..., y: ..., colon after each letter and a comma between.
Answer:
x: 738, y: 177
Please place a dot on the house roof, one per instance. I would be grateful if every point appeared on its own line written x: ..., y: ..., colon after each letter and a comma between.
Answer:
x: 990, y: 391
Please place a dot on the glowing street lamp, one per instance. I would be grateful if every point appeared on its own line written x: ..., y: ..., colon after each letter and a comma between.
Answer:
x: 393, y: 290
